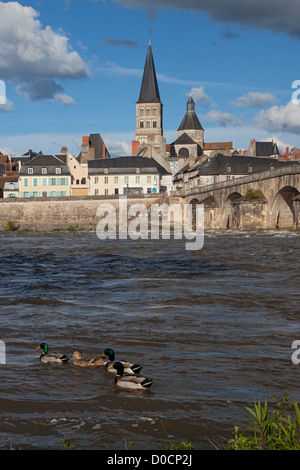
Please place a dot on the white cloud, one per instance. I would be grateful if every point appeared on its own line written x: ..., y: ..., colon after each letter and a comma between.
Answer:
x: 223, y: 119
x: 200, y: 96
x: 65, y: 100
x: 284, y: 118
x: 254, y: 100
x: 7, y: 107
x: 34, y: 57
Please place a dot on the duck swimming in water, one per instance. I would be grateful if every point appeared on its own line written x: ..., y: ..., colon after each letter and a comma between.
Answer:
x: 53, y: 357
x: 89, y: 361
x: 129, y: 367
x: 132, y: 382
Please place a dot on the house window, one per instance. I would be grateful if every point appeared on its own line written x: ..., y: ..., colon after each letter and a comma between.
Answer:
x: 83, y: 180
x: 137, y: 170
x: 35, y: 194
x: 11, y: 186
x: 25, y: 194
x: 44, y: 171
x: 106, y: 192
x: 148, y: 124
x: 249, y: 169
x: 148, y: 112
x: 105, y: 179
x: 30, y: 171
x: 141, y: 124
x: 53, y: 181
x: 154, y: 123
x: 154, y: 111
x: 96, y: 192
x: 63, y: 181
x: 106, y: 170
x: 272, y: 167
x: 25, y: 181
x: 44, y: 194
x: 126, y: 179
x: 137, y: 179
x: 58, y: 171
x: 141, y: 111
x: 77, y: 181
x: 149, y: 179
x: 116, y: 179
x: 228, y: 169
x: 35, y: 181
x: 96, y: 179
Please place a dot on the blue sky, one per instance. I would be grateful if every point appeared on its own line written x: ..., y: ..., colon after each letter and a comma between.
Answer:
x: 76, y: 68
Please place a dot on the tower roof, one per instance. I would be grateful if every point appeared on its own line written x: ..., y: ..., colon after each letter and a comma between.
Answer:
x: 190, y: 120
x: 149, y: 90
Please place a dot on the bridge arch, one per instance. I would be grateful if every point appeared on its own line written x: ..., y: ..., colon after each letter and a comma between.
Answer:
x: 282, y: 207
x: 232, y: 198
x: 227, y: 218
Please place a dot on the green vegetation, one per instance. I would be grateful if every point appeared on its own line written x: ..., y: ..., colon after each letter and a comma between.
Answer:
x: 182, y: 446
x: 11, y: 227
x: 270, y: 430
x: 253, y: 194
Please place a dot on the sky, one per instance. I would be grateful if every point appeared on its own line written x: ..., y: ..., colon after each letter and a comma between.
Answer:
x: 70, y: 68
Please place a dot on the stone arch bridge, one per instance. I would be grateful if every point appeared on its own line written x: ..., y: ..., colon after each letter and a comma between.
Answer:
x: 265, y: 200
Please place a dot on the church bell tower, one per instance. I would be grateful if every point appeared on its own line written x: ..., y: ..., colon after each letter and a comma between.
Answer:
x: 149, y: 114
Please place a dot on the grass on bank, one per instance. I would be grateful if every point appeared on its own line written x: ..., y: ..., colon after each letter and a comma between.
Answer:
x: 277, y: 429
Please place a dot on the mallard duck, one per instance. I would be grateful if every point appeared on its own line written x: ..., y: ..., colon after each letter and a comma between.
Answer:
x: 133, y: 382
x: 90, y: 361
x: 53, y: 357
x: 129, y: 367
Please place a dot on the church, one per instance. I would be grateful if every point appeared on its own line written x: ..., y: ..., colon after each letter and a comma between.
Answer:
x: 149, y: 139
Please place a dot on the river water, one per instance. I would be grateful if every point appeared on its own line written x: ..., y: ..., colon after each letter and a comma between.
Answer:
x: 213, y: 328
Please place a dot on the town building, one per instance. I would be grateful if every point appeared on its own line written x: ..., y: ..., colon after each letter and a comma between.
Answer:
x: 11, y: 189
x: 127, y: 175
x: 92, y: 148
x: 79, y: 173
x: 263, y: 149
x: 44, y: 176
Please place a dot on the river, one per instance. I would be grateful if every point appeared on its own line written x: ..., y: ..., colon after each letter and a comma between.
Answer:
x: 213, y: 328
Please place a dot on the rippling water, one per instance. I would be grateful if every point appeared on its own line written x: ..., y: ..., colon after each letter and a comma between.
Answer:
x: 213, y: 328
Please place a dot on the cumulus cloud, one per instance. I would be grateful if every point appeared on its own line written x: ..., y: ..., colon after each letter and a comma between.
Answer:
x: 284, y: 118
x: 200, y: 96
x: 64, y: 100
x: 35, y: 57
x: 254, y: 100
x: 7, y: 107
x: 273, y: 15
x: 223, y: 119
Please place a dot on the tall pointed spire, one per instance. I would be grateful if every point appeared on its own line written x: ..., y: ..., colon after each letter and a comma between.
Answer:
x: 149, y: 90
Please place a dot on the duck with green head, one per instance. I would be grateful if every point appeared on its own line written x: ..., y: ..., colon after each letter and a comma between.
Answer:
x: 129, y: 367
x: 52, y: 357
x: 130, y: 382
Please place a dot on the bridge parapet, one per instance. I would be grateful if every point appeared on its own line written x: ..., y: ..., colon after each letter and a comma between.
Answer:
x: 243, y: 180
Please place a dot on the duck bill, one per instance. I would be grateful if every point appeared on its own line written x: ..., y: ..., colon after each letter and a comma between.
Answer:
x: 39, y: 347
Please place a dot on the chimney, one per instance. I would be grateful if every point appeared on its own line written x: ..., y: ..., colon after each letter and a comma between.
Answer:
x: 135, y: 146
